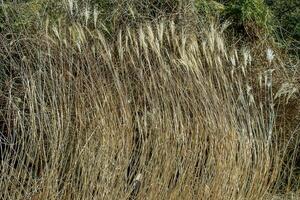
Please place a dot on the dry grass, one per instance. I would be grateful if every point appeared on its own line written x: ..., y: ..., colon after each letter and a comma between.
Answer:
x: 158, y: 112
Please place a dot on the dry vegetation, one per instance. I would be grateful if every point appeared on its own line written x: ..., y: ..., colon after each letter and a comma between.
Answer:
x: 158, y: 111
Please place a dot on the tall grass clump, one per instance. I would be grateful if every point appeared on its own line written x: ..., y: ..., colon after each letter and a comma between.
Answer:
x: 155, y: 113
x: 140, y: 104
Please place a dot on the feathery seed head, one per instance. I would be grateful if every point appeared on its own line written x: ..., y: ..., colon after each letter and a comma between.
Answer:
x: 86, y: 14
x: 270, y: 55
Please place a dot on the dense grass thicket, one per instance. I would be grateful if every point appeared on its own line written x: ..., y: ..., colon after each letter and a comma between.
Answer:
x: 146, y: 99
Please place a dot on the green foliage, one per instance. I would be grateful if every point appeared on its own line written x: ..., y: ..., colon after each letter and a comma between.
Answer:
x: 287, y: 14
x: 2, y: 17
x: 209, y: 7
x: 23, y: 16
x: 105, y: 6
x: 30, y: 15
x: 253, y: 16
x: 121, y: 13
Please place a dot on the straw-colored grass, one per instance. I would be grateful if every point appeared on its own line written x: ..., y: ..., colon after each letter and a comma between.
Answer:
x: 158, y: 112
